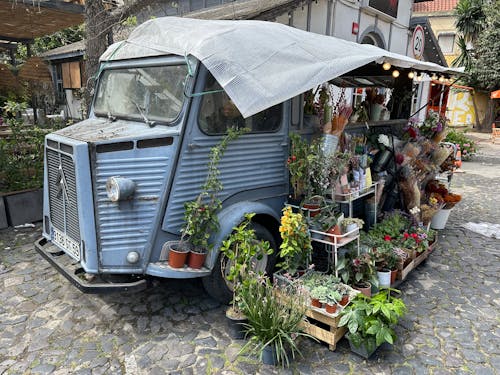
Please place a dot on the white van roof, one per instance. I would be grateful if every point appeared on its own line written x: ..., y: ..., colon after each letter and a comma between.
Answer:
x: 259, y: 64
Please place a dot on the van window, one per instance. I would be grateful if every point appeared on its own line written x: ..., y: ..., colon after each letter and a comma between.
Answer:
x: 218, y: 113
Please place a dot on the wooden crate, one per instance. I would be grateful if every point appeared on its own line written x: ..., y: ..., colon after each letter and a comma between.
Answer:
x: 420, y: 258
x: 331, y: 334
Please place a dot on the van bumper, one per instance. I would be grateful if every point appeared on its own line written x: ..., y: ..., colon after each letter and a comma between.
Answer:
x: 76, y: 274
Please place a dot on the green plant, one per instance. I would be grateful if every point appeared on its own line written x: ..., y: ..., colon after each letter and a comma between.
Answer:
x: 200, y: 215
x: 296, y: 248
x: 392, y: 226
x: 319, y: 292
x: 353, y: 220
x: 274, y: 320
x: 371, y: 321
x: 467, y: 146
x: 354, y: 270
x: 332, y: 297
x: 242, y: 249
x: 298, y: 165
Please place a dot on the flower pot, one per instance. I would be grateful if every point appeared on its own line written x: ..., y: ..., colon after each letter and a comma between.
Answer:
x: 352, y: 228
x: 331, y: 309
x: 394, y: 274
x: 375, y: 111
x: 364, y: 288
x: 196, y: 260
x: 177, y: 253
x: 315, y: 302
x: 380, y: 161
x: 361, y: 350
x: 384, y: 278
x: 236, y: 328
x: 313, y: 208
x: 345, y: 300
x: 335, y: 230
x: 440, y: 218
x: 269, y: 355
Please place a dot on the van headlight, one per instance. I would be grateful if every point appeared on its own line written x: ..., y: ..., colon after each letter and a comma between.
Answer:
x: 119, y: 188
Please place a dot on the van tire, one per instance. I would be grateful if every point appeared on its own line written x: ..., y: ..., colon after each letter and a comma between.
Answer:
x: 216, y: 285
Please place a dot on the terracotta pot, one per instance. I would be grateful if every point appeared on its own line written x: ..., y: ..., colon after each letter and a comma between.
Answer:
x: 344, y: 301
x: 314, y: 209
x: 331, y: 309
x: 176, y: 254
x: 366, y: 289
x: 335, y: 230
x: 394, y: 274
x: 315, y: 302
x: 196, y: 260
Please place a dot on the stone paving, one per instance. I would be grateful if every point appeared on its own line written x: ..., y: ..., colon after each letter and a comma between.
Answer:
x: 48, y: 327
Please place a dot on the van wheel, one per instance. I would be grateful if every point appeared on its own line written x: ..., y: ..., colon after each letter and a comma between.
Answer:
x: 216, y: 284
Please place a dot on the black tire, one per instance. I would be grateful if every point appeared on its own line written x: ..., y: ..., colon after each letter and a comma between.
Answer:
x: 215, y: 284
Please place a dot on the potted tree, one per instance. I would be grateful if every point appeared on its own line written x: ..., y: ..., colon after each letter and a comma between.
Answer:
x: 274, y: 322
x: 370, y: 322
x: 241, y: 249
x: 200, y: 215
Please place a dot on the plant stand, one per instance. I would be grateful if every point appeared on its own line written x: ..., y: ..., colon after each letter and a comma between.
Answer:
x: 330, y: 335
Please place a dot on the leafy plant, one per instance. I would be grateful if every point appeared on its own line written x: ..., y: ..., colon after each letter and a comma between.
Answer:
x: 242, y: 249
x: 319, y: 292
x: 354, y: 270
x: 331, y: 298
x: 296, y: 248
x: 200, y: 215
x: 467, y: 146
x: 298, y: 165
x: 273, y: 320
x: 371, y: 321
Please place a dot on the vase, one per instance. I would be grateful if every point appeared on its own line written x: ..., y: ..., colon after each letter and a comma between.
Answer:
x: 177, y: 253
x: 375, y: 111
x: 365, y: 288
x: 196, y: 259
x: 440, y: 218
x: 384, y: 278
x: 380, y: 161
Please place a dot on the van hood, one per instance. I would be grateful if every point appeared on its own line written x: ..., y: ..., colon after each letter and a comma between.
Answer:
x: 97, y: 130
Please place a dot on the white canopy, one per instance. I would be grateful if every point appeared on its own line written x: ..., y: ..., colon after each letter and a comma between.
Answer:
x: 259, y: 64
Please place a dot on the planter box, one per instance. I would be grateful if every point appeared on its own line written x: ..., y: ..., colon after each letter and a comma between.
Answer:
x: 3, y: 215
x: 404, y: 272
x: 420, y: 258
x: 315, y: 322
x: 24, y: 206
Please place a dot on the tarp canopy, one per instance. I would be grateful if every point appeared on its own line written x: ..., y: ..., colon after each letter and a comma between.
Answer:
x: 259, y: 64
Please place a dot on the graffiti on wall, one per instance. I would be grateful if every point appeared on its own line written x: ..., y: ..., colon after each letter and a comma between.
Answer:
x: 460, y: 109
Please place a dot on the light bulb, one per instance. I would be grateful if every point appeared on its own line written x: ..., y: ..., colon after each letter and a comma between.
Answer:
x: 411, y: 75
x: 386, y: 66
x: 419, y: 78
x: 434, y: 77
x: 441, y: 79
x: 395, y: 73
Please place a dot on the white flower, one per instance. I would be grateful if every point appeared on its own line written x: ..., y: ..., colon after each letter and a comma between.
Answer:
x: 384, y: 140
x: 415, y: 210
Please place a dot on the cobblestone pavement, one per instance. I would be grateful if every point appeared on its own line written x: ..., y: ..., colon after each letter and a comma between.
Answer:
x: 48, y: 327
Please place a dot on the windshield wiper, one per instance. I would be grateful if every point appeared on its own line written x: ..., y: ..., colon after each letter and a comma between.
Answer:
x: 143, y: 115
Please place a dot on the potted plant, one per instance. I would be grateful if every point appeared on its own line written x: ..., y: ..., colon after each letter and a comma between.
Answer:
x: 274, y: 321
x: 358, y: 271
x: 330, y: 300
x: 296, y: 248
x: 318, y: 295
x: 200, y: 215
x: 370, y: 322
x: 297, y: 164
x: 241, y: 249
x: 322, y: 222
x: 350, y: 224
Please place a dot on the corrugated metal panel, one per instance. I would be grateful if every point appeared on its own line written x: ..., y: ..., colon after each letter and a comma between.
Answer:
x: 255, y: 161
x: 126, y: 226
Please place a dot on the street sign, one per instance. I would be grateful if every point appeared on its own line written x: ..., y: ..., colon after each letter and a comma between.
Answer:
x: 417, y: 42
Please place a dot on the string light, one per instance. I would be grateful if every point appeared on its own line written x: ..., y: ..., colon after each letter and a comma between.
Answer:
x: 441, y: 79
x: 419, y: 78
x: 395, y: 73
x: 386, y: 66
x: 434, y: 77
x: 411, y: 75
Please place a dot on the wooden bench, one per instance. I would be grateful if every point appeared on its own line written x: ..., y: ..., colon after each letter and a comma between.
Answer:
x: 495, y: 132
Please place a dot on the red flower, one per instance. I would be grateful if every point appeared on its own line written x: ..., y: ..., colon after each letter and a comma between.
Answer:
x: 406, y: 235
x: 387, y: 237
x: 414, y: 235
x: 294, y: 158
x: 412, y: 132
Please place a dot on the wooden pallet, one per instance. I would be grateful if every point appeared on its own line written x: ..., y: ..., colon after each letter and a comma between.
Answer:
x: 331, y: 335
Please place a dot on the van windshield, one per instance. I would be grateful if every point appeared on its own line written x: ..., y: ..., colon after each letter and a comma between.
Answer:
x: 151, y: 94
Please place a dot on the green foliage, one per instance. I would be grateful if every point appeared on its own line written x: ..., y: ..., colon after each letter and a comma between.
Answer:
x: 467, y: 146
x: 298, y: 165
x: 470, y: 17
x: 200, y: 215
x: 273, y: 320
x: 371, y: 321
x: 130, y: 21
x: 242, y: 249
x: 392, y: 225
x: 21, y: 156
x: 354, y: 270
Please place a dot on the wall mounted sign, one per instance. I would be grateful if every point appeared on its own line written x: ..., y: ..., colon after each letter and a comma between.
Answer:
x: 417, y: 42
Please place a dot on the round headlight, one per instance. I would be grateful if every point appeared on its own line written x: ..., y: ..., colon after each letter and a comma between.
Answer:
x: 119, y: 188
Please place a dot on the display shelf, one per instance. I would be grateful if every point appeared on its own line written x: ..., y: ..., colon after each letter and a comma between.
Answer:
x: 349, y: 198
x: 333, y: 242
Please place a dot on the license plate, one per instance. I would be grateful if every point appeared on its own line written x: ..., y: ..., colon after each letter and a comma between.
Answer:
x: 70, y: 246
